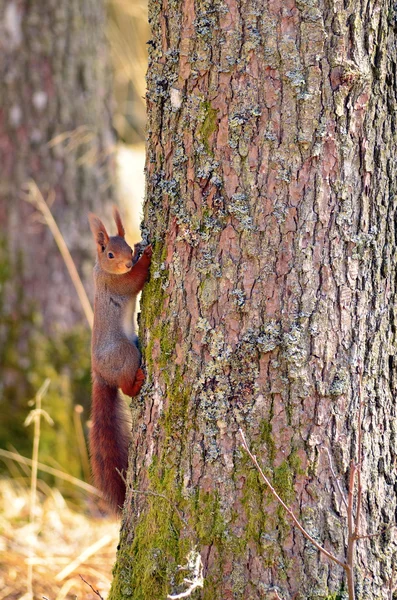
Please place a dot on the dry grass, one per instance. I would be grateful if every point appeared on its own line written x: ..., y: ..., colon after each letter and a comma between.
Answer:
x: 54, y: 549
x: 47, y: 549
x: 128, y: 31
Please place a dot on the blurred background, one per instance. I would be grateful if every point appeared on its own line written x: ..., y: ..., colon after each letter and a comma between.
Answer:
x: 72, y: 130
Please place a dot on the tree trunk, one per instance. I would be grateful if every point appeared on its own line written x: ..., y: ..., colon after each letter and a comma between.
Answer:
x: 271, y: 207
x: 55, y: 128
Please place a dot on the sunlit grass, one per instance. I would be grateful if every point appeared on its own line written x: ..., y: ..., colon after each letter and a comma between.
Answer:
x: 47, y: 547
x: 55, y: 548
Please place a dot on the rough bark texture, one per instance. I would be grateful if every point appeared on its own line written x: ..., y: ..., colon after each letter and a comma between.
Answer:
x: 54, y: 82
x: 271, y: 207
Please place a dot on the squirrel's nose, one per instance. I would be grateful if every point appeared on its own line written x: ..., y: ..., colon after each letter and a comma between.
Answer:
x: 129, y: 264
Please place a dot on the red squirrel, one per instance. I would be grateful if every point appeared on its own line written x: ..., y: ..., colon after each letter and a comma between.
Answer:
x: 119, y: 276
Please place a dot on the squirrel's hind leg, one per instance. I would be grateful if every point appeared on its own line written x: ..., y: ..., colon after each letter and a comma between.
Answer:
x: 132, y: 387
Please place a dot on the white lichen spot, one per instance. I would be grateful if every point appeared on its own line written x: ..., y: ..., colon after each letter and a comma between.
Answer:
x: 12, y: 25
x: 260, y: 404
x: 15, y: 115
x: 195, y: 580
x: 158, y: 400
x: 176, y: 98
x: 203, y: 325
x: 40, y: 100
x: 315, y: 441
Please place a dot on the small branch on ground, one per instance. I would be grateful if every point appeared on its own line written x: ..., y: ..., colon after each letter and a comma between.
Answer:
x: 93, y: 589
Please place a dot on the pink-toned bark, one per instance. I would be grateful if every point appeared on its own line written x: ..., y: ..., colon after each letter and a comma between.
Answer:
x: 270, y: 208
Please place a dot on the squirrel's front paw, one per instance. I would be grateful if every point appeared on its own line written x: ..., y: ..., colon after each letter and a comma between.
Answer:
x: 148, y: 251
x: 137, y: 252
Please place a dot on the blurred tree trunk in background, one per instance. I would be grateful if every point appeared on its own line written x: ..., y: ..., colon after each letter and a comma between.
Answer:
x: 55, y: 128
x: 271, y: 206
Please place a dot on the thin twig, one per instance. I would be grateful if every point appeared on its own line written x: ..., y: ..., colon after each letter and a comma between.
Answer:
x: 335, y: 476
x: 93, y: 589
x: 155, y: 494
x: 350, y: 532
x: 372, y: 535
x: 104, y: 541
x: 359, y: 453
x: 35, y: 197
x: 391, y: 586
x: 289, y: 510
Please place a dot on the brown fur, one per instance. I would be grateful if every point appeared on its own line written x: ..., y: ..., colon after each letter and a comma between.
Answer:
x: 115, y: 356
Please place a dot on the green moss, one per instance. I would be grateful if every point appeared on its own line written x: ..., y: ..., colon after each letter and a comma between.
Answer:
x: 148, y: 567
x: 209, y: 524
x: 209, y: 124
x: 295, y: 463
x: 284, y: 481
x: 284, y: 485
x: 335, y: 596
x: 152, y: 298
x: 267, y: 438
x: 167, y: 344
x: 253, y: 503
x: 175, y: 419
x: 256, y: 494
x: 163, y: 335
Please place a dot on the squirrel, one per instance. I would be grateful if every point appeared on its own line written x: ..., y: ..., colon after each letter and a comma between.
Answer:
x: 119, y: 276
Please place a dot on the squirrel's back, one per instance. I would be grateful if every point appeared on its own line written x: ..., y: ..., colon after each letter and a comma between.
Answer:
x: 119, y: 276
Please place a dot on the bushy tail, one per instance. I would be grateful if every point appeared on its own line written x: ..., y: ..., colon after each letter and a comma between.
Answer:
x: 109, y: 438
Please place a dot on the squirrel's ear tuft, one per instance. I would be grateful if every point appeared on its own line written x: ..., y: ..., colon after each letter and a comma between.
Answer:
x: 117, y: 218
x: 98, y: 230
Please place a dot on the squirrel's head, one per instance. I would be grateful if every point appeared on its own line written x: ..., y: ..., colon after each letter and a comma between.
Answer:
x: 114, y: 254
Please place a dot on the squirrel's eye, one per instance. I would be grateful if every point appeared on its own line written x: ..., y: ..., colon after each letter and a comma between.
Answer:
x: 110, y: 255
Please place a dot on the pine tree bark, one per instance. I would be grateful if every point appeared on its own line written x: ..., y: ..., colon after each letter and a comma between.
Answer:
x: 271, y: 207
x: 55, y: 128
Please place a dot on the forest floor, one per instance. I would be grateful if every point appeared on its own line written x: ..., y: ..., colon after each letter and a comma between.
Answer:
x: 46, y: 554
